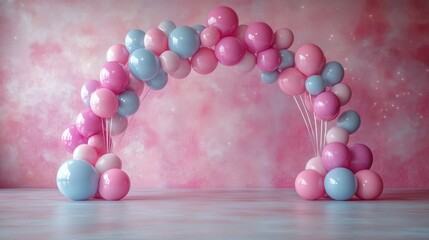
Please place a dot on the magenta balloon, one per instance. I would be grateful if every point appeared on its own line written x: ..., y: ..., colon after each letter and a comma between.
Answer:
x: 114, y: 76
x: 223, y: 18
x: 335, y: 155
x: 71, y: 138
x: 258, y: 37
x: 269, y: 60
x: 361, y: 157
x: 87, y: 123
x: 229, y: 51
x: 87, y: 89
x: 326, y: 106
x: 292, y: 81
x: 104, y: 103
x: 309, y: 59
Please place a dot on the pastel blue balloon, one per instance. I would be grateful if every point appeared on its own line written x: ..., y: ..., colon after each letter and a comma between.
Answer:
x: 288, y: 59
x: 159, y: 81
x: 349, y: 120
x: 129, y: 103
x: 184, y: 41
x: 77, y: 180
x: 199, y: 28
x: 134, y: 40
x: 167, y: 26
x: 340, y: 184
x: 333, y: 73
x: 315, y: 84
x: 144, y: 64
x: 269, y: 77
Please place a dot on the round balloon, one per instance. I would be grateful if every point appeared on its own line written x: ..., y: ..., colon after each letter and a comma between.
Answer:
x: 229, y: 51
x: 167, y: 26
x: 224, y: 19
x: 258, y: 37
x: 292, y: 81
x: 71, y: 138
x: 156, y: 41
x: 369, y: 185
x: 340, y: 184
x: 134, y: 40
x: 87, y: 89
x: 309, y: 185
x: 360, y: 158
x: 104, y: 103
x: 114, y: 184
x: 287, y: 59
x: 143, y: 64
x: 117, y: 53
x: 335, y: 155
x: 326, y: 106
x: 85, y: 152
x: 349, y: 120
x: 204, y: 61
x: 129, y: 103
x: 108, y: 161
x: 184, y: 41
x: 333, y: 73
x: 268, y: 60
x: 309, y: 59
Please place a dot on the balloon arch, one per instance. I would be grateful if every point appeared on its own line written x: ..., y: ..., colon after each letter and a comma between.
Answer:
x: 149, y: 58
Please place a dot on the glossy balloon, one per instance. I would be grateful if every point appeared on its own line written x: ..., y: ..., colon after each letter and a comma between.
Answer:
x: 229, y: 51
x: 114, y: 184
x: 183, y: 70
x: 170, y: 61
x: 340, y: 184
x: 333, y: 73
x: 292, y: 81
x: 269, y: 77
x: 335, y: 155
x: 108, y: 161
x: 143, y: 64
x: 199, y: 28
x: 87, y: 89
x: 223, y: 18
x: 167, y: 26
x: 309, y: 59
x: 315, y: 85
x: 134, y: 40
x: 343, y: 92
x: 316, y: 164
x: 104, y: 103
x: 326, y: 106
x: 71, y: 138
x: 204, y: 61
x: 309, y: 185
x: 287, y: 59
x: 258, y: 37
x: 369, y: 185
x: 268, y: 60
x: 209, y: 37
x: 159, y: 81
x: 184, y: 41
x: 88, y: 123
x: 349, y: 120
x: 156, y: 41
x: 337, y: 134
x: 129, y: 103
x: 85, y: 152
x: 283, y: 38
x: 361, y: 157
x: 114, y: 77
x: 77, y: 180
x: 117, y: 53
x: 97, y: 141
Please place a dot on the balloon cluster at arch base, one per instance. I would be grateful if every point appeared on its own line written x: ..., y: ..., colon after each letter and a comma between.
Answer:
x: 148, y: 60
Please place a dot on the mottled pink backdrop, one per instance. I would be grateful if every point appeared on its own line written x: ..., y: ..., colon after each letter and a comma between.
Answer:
x: 225, y: 129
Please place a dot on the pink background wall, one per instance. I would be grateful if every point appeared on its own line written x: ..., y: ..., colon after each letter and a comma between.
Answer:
x: 221, y: 130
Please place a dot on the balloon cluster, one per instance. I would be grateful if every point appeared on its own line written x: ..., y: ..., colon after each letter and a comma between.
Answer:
x: 168, y: 51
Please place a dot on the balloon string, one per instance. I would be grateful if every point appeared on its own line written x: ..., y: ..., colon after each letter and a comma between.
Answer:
x: 303, y: 117
x: 312, y: 138
x: 316, y: 131
x: 103, y: 131
x: 321, y: 136
x: 110, y: 136
x: 326, y: 129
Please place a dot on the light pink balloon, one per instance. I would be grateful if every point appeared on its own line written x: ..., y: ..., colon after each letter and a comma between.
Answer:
x: 108, y: 161
x: 326, y: 106
x: 156, y: 41
x: 183, y: 70
x: 335, y: 155
x: 343, y: 92
x: 104, y: 103
x: 209, y: 36
x: 97, y: 141
x: 136, y: 85
x: 117, y: 53
x: 369, y: 185
x: 170, y: 61
x: 268, y: 60
x: 309, y: 185
x: 118, y: 125
x: 114, y: 184
x: 337, y: 134
x: 204, y: 61
x: 229, y: 51
x: 247, y: 63
x: 292, y: 81
x: 361, y: 157
x: 258, y: 37
x: 316, y: 165
x: 283, y: 38
x: 85, y: 152
x: 309, y: 59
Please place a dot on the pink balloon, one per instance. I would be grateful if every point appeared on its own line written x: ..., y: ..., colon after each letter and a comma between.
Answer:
x: 87, y: 89
x: 223, y: 18
x: 258, y: 37
x: 269, y: 60
x: 337, y: 134
x: 209, y: 36
x: 156, y: 41
x: 361, y: 157
x: 117, y: 53
x: 108, y: 161
x: 343, y: 92
x: 335, y: 155
x: 309, y: 59
x: 229, y: 51
x: 71, y: 138
x: 114, y: 184
x: 283, y: 38
x: 309, y: 185
x: 170, y: 61
x: 326, y: 106
x: 204, y: 61
x: 247, y: 63
x: 183, y: 70
x: 118, y: 125
x: 369, y: 185
x: 316, y: 165
x: 85, y: 152
x: 114, y: 77
x: 136, y: 85
x: 97, y: 141
x: 104, y: 103
x: 87, y: 123
x: 292, y: 81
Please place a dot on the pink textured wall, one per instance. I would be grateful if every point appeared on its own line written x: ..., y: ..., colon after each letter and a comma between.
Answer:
x: 221, y: 130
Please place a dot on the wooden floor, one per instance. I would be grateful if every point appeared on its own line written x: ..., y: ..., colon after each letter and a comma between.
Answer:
x: 213, y: 214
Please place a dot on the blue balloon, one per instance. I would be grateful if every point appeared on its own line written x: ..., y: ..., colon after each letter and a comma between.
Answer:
x: 144, y: 64
x: 129, y: 103
x: 315, y: 84
x: 199, y: 28
x: 77, y: 180
x: 349, y: 120
x: 269, y: 77
x: 288, y: 59
x: 184, y: 41
x: 340, y: 184
x: 333, y: 73
x: 159, y: 81
x: 134, y: 40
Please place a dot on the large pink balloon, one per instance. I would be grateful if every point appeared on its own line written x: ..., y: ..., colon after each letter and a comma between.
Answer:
x: 269, y: 60
x: 204, y: 61
x: 309, y: 59
x: 104, y: 103
x: 85, y: 152
x: 229, y: 51
x: 223, y: 18
x: 114, y: 184
x: 114, y: 76
x: 156, y: 41
x: 361, y: 157
x: 292, y: 81
x: 326, y: 106
x: 258, y: 37
x: 71, y: 138
x: 335, y: 155
x: 88, y: 123
x: 369, y: 185
x: 309, y: 185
